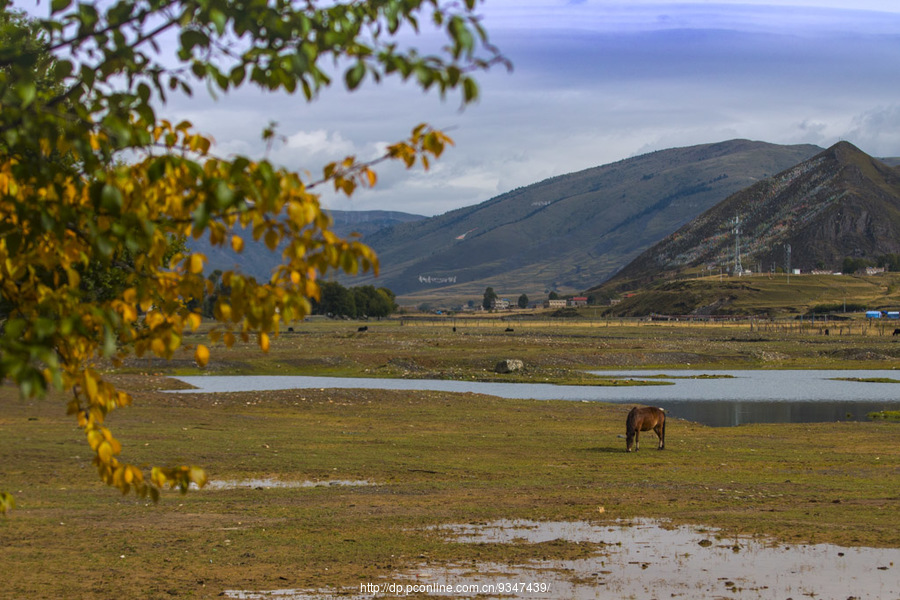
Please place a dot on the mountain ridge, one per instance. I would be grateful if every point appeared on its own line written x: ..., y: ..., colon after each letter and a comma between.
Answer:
x: 841, y: 203
x: 257, y: 260
x: 568, y: 232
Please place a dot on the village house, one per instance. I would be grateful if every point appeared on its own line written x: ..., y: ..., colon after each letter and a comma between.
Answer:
x: 578, y: 301
x: 554, y: 303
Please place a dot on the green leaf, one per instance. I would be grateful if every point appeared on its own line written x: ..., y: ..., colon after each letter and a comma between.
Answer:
x: 44, y: 327
x: 27, y: 92
x: 354, y: 76
x: 111, y: 199
x: 219, y: 20
x: 201, y: 217
x: 470, y: 90
x: 192, y: 37
x: 237, y: 75
x: 224, y: 194
x: 59, y: 5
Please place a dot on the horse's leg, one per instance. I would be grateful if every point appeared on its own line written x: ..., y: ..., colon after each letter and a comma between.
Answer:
x: 659, y: 433
x: 637, y: 437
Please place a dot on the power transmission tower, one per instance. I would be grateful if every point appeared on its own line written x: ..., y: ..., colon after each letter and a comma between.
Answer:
x: 736, y: 229
x: 787, y: 261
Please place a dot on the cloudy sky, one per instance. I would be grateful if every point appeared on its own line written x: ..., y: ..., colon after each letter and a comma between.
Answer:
x: 594, y: 82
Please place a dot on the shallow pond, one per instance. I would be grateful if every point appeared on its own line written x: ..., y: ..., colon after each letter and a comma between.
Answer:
x: 638, y: 559
x: 727, y: 399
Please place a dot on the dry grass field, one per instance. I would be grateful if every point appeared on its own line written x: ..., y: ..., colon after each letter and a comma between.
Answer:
x: 417, y: 460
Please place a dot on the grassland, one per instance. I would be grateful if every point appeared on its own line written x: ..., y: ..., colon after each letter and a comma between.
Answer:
x: 763, y: 294
x: 430, y: 458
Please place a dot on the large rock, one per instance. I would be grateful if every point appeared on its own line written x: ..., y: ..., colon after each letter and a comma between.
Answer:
x: 509, y: 365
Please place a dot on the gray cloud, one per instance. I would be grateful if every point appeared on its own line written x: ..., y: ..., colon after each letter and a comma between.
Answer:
x: 593, y: 85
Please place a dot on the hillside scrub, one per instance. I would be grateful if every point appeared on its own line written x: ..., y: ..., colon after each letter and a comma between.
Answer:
x: 763, y: 295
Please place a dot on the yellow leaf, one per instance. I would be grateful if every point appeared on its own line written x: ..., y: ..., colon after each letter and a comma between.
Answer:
x: 94, y: 439
x: 158, y: 347
x: 91, y: 381
x: 158, y: 476
x: 196, y: 263
x: 105, y: 452
x: 194, y: 321
x: 264, y: 342
x: 201, y: 355
x: 129, y: 313
x: 237, y: 243
x: 134, y: 474
x: 224, y: 311
x: 198, y: 476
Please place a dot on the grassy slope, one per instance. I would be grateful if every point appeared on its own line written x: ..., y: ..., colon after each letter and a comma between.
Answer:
x: 434, y: 458
x: 777, y: 295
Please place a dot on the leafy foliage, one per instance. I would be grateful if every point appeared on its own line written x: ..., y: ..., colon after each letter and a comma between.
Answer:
x: 487, y: 301
x: 97, y: 194
x: 356, y: 302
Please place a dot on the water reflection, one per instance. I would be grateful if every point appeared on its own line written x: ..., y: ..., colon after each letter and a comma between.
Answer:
x: 642, y: 558
x: 730, y: 413
x: 736, y: 398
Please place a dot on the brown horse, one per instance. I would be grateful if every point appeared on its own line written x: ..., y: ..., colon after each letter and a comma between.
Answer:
x: 645, y: 419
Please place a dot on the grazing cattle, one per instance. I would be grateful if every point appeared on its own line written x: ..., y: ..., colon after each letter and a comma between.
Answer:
x: 897, y: 332
x: 645, y: 419
x: 509, y: 329
x: 363, y: 328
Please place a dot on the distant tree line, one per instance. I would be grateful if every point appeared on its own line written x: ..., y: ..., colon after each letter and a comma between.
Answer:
x: 890, y: 262
x: 838, y: 307
x: 336, y: 300
x: 356, y: 302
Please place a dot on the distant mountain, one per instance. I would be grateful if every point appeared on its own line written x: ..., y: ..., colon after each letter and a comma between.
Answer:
x: 368, y: 222
x: 840, y: 203
x: 257, y: 260
x: 572, y: 231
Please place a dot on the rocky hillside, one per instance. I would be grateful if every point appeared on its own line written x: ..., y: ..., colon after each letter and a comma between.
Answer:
x: 840, y: 203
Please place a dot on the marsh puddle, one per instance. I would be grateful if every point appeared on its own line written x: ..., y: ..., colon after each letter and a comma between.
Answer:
x: 635, y: 559
x: 264, y: 484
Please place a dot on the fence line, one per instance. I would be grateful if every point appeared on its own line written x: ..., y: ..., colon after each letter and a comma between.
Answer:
x: 812, y: 326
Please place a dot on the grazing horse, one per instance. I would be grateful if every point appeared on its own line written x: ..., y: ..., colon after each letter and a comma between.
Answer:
x: 645, y: 419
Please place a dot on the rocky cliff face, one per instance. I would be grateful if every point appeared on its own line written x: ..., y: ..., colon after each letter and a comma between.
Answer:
x: 840, y: 203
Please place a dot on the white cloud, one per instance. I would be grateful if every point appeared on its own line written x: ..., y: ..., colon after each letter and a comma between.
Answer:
x: 877, y: 131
